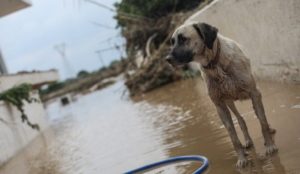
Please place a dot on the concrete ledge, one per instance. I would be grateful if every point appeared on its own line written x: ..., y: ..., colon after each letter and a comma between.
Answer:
x: 35, y: 78
x: 10, y: 6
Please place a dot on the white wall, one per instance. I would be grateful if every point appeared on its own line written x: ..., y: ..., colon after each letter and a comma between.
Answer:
x: 268, y: 30
x: 15, y: 135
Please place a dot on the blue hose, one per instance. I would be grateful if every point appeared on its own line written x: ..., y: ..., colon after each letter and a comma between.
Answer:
x: 200, y: 170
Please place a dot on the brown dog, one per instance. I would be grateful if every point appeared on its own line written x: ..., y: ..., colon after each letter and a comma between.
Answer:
x: 228, y: 76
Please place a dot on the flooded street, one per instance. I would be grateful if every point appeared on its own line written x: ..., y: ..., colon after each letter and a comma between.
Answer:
x: 109, y: 133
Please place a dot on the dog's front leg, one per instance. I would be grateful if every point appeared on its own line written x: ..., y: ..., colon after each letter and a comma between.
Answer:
x: 225, y: 116
x: 242, y: 123
x: 266, y: 130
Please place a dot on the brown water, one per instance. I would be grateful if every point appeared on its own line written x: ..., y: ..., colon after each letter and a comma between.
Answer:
x: 106, y: 132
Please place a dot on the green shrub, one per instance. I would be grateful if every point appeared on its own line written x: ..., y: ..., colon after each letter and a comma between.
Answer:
x: 17, y: 96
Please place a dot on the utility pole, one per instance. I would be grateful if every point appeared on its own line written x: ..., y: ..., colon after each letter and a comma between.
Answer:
x: 100, y: 58
x: 61, y: 50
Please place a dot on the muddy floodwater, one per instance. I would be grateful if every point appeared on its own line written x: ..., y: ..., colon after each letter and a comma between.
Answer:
x: 107, y: 132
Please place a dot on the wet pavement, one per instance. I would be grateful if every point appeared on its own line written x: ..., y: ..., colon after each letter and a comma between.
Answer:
x: 109, y: 133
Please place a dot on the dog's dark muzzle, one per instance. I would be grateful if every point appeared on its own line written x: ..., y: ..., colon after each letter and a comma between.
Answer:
x: 179, y: 57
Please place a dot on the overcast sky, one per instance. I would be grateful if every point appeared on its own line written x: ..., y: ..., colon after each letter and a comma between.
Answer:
x: 28, y: 36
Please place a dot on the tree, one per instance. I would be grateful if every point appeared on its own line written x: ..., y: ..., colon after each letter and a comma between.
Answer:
x: 152, y: 9
x: 82, y: 73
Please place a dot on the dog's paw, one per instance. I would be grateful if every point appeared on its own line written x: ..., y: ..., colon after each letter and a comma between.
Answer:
x: 272, y: 131
x: 271, y: 149
x: 249, y: 144
x: 241, y: 163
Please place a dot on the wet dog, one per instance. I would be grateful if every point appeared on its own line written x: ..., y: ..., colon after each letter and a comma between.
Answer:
x: 228, y: 77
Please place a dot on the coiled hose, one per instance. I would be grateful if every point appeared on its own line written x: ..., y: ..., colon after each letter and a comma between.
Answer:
x: 200, y: 170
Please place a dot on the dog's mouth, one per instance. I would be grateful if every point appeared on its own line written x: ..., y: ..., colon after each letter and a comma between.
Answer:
x: 180, y: 61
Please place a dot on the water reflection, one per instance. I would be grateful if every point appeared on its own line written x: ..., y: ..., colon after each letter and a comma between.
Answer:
x: 201, y: 132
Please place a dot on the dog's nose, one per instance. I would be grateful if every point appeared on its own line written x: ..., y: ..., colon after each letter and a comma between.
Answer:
x: 169, y: 58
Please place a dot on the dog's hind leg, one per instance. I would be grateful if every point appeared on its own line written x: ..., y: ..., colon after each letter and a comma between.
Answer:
x: 242, y: 123
x: 266, y: 130
x: 225, y: 116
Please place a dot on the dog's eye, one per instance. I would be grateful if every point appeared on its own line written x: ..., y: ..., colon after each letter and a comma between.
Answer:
x: 182, y: 39
x: 172, y: 41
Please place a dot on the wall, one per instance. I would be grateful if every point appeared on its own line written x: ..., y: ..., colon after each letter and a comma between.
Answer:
x: 3, y: 68
x: 268, y: 30
x: 15, y: 135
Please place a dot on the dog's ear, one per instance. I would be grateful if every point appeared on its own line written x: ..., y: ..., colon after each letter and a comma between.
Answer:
x: 207, y: 32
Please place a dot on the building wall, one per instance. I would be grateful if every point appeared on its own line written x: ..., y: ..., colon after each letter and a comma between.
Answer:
x: 3, y: 69
x: 15, y: 135
x: 267, y: 30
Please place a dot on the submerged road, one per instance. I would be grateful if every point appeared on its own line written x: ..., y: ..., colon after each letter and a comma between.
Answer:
x: 106, y: 132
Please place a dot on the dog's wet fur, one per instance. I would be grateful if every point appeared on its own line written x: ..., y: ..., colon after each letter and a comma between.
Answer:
x: 228, y: 77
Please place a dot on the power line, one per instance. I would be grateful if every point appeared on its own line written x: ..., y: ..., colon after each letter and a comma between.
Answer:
x: 110, y: 38
x: 116, y: 47
x: 100, y: 58
x: 101, y: 5
x: 102, y: 25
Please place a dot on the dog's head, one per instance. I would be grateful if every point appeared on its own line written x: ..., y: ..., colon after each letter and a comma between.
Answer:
x: 189, y: 41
